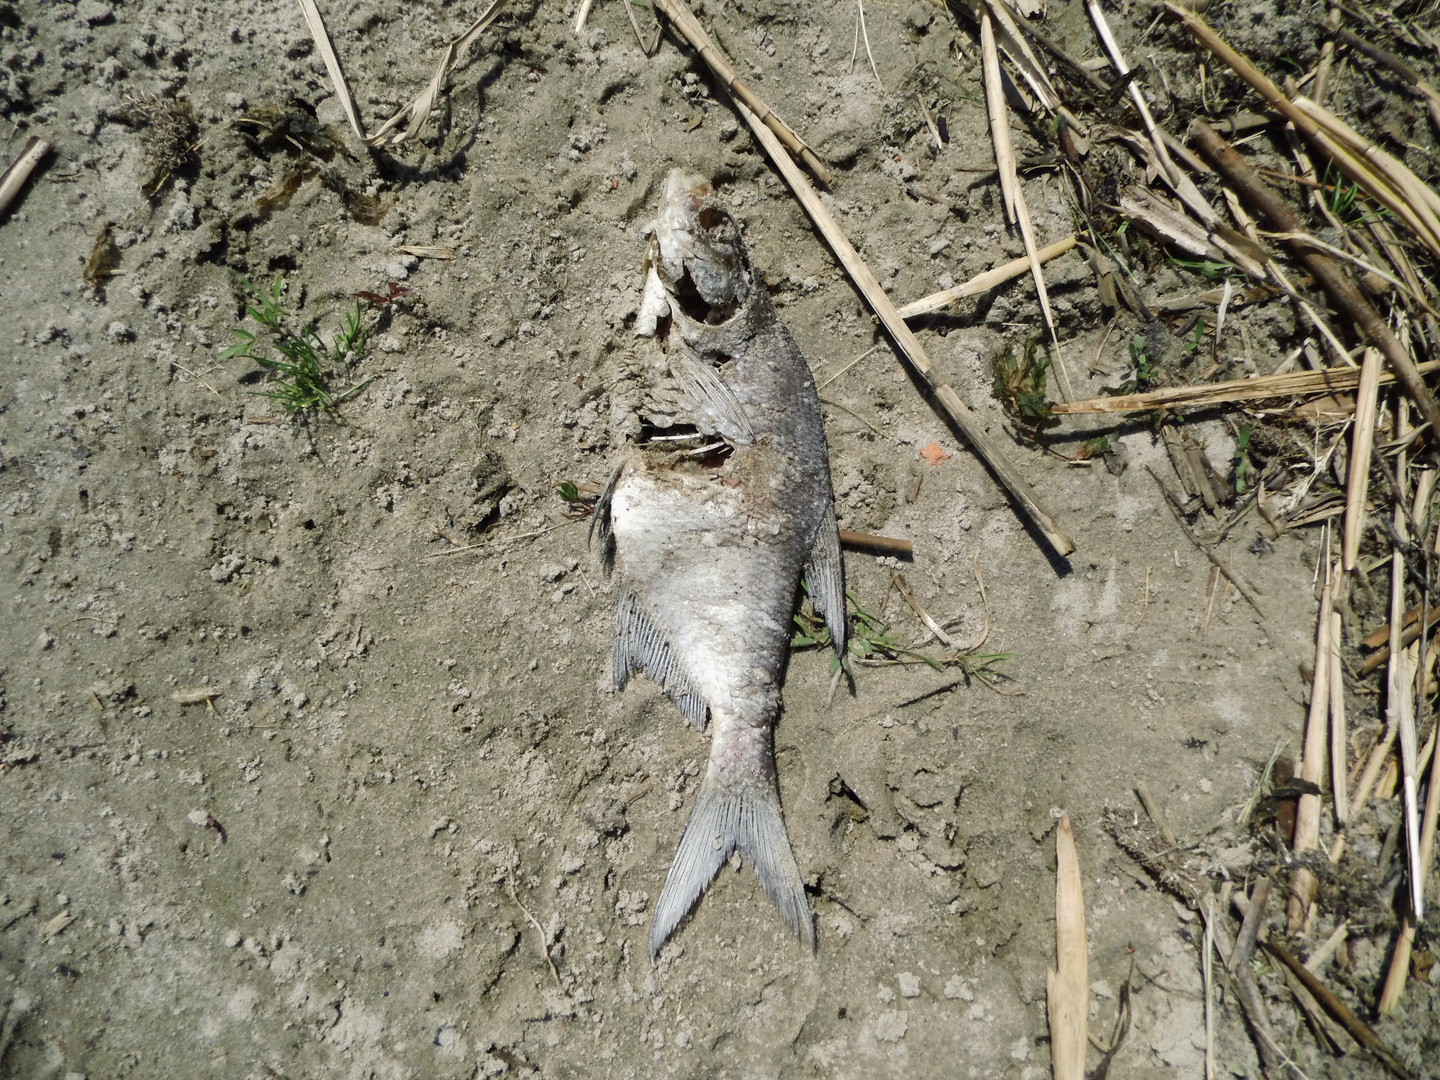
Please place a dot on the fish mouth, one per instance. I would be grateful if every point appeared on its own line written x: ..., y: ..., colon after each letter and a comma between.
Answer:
x: 697, y: 253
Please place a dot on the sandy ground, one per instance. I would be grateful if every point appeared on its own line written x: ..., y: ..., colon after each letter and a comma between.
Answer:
x: 414, y: 832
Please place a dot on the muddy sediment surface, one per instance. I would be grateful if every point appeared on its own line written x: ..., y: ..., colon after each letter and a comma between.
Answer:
x: 310, y: 761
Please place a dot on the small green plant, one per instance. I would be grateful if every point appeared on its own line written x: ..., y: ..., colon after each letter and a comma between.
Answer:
x: 1204, y: 267
x: 1242, y: 458
x: 1196, y: 339
x: 298, y: 376
x: 1020, y: 387
x: 870, y: 641
x: 1144, y: 370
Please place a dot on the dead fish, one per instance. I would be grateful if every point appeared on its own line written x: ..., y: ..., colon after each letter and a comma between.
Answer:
x: 709, y: 542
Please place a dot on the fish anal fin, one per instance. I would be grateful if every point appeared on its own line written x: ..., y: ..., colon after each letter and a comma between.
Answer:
x: 640, y: 645
x: 728, y: 817
x: 825, y: 579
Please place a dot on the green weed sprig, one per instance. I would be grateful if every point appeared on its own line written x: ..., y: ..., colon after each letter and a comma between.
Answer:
x: 298, y: 376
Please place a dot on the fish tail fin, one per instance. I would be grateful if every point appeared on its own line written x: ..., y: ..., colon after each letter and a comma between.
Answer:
x: 728, y: 816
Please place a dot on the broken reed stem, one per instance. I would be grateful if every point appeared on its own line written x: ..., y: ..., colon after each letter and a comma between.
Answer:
x: 1157, y: 813
x: 1401, y: 697
x: 1312, y: 767
x: 1292, y: 384
x: 1357, y: 1028
x: 995, y: 103
x: 986, y: 281
x: 19, y: 170
x: 1250, y: 927
x: 1338, y: 732
x: 1398, y: 973
x: 321, y: 37
x: 683, y: 19
x: 883, y: 545
x: 1248, y: 183
x: 1362, y: 438
x: 1068, y: 986
x: 955, y: 409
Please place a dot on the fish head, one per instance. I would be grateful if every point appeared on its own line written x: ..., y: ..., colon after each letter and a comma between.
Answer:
x: 697, y: 268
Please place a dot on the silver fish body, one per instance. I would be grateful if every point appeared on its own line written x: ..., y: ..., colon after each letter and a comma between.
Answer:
x: 709, y: 547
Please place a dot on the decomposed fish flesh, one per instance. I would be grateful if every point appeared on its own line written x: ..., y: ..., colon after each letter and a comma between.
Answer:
x: 709, y: 541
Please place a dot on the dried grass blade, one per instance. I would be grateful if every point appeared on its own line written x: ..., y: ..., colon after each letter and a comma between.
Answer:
x: 1357, y: 487
x: 1294, y: 383
x: 418, y: 110
x: 19, y: 170
x: 321, y: 37
x: 1068, y: 986
x: 985, y: 281
x: 956, y: 409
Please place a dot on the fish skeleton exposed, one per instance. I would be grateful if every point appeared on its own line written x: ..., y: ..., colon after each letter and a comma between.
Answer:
x: 709, y: 544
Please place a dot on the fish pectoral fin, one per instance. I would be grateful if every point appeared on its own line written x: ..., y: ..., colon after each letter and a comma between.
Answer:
x: 641, y: 646
x: 715, y: 401
x: 600, y: 523
x: 825, y: 579
x: 726, y: 818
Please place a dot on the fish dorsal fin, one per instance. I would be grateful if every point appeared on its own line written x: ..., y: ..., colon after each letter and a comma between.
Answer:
x: 825, y: 579
x: 641, y: 646
x: 715, y: 402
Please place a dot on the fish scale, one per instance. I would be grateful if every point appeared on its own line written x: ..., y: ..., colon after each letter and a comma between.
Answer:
x: 709, y: 546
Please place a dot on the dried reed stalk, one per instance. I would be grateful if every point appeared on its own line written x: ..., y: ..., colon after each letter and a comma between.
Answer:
x: 1312, y: 767
x: 19, y: 170
x: 1340, y: 287
x: 1291, y: 384
x: 1339, y: 738
x: 959, y: 413
x: 321, y: 37
x: 1068, y: 986
x: 884, y: 545
x: 986, y: 281
x: 1362, y: 438
x: 684, y: 20
x: 999, y: 122
x: 418, y: 110
x: 1401, y: 699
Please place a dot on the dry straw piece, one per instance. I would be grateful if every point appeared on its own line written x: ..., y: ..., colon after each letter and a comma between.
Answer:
x: 1312, y: 767
x: 1260, y: 388
x: 321, y: 37
x: 1357, y: 488
x: 1068, y: 986
x: 986, y: 281
x: 19, y: 170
